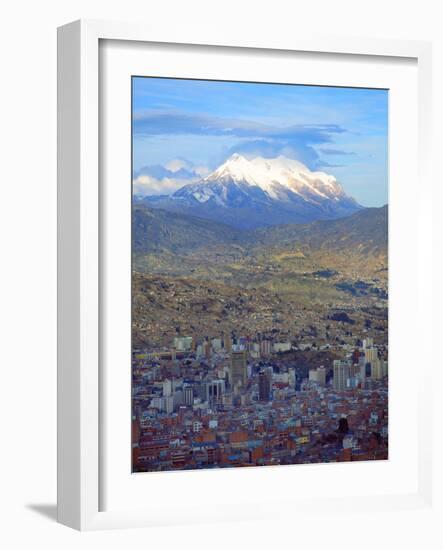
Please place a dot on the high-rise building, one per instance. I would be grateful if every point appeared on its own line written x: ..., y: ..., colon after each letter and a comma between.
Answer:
x: 264, y: 385
x: 342, y: 373
x: 371, y: 354
x: 178, y: 399
x: 364, y: 369
x: 215, y: 390
x: 167, y: 387
x: 238, y: 371
x: 265, y: 347
x: 321, y: 376
x: 354, y: 369
x: 157, y: 402
x: 318, y: 375
x: 188, y: 395
x: 292, y: 378
x: 254, y: 350
x: 371, y: 359
x: 168, y: 404
x: 377, y: 369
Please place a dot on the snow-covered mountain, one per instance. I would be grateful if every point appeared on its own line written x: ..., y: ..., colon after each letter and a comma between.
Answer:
x: 259, y: 192
x: 280, y: 179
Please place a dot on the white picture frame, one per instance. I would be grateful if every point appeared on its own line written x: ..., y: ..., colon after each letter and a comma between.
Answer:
x: 79, y: 260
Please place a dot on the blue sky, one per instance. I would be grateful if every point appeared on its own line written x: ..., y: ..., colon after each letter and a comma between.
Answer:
x: 182, y: 129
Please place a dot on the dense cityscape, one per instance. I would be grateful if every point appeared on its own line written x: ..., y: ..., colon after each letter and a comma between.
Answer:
x: 243, y: 401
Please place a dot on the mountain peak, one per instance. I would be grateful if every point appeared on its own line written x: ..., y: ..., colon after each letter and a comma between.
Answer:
x: 276, y: 177
x: 235, y: 157
x: 263, y: 191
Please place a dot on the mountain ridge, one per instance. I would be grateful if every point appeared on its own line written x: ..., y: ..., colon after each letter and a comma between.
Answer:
x: 321, y: 262
x: 156, y: 230
x: 261, y: 192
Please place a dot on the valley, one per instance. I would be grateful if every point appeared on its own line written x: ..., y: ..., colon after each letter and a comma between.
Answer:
x: 281, y: 279
x: 290, y: 259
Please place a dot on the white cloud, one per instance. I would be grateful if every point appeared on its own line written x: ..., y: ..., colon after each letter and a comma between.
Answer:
x: 202, y: 171
x: 175, y: 165
x: 167, y: 178
x: 147, y: 185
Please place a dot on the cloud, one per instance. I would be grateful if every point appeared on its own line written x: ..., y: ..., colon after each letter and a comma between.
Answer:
x: 164, y: 180
x: 150, y: 123
x: 176, y: 168
x: 254, y: 138
x: 293, y: 148
x: 335, y: 152
x: 147, y: 185
x: 202, y: 171
x: 266, y: 148
x: 159, y: 172
x: 175, y: 165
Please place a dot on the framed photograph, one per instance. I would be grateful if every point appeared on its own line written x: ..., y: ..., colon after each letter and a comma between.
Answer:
x: 237, y: 310
x: 259, y: 285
